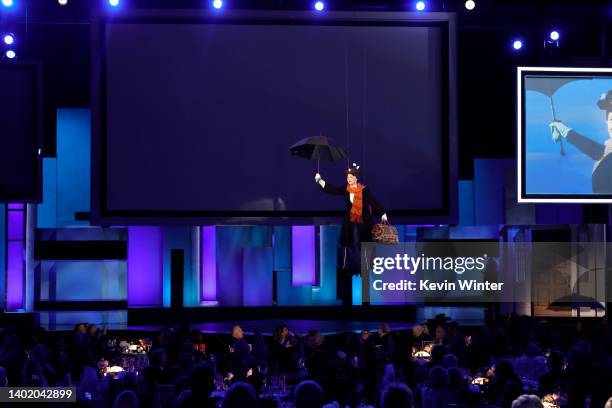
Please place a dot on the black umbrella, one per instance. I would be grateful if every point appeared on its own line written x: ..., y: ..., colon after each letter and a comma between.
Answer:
x: 548, y: 87
x: 570, y: 302
x: 317, y: 148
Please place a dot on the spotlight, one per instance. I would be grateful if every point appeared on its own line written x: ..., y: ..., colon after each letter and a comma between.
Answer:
x: 113, y: 3
x: 517, y: 44
x: 470, y: 4
x: 319, y: 6
x: 7, y: 3
x: 420, y: 5
x: 10, y: 54
x: 552, y: 42
x: 8, y: 39
x: 62, y: 2
x: 217, y: 4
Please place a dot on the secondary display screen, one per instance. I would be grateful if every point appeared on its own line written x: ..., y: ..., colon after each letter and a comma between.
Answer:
x: 565, y: 135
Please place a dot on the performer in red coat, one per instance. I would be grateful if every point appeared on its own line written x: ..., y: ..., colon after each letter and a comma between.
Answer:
x: 357, y: 224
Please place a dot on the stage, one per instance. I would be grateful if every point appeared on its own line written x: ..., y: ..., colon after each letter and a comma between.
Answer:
x: 330, y: 320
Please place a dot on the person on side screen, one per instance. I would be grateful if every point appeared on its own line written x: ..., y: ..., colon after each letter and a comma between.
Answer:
x: 602, y: 169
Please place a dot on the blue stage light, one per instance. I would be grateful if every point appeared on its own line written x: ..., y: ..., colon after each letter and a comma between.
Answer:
x: 7, y: 3
x: 113, y: 3
x: 319, y: 6
x: 470, y: 4
x: 554, y: 35
x: 8, y: 39
x: 217, y: 4
x: 420, y: 5
x: 517, y: 44
x: 10, y: 54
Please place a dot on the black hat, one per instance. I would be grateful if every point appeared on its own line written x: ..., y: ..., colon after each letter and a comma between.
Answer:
x: 354, y: 170
x: 605, y: 101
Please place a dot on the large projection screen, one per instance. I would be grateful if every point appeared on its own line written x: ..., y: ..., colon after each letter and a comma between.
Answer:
x: 194, y: 114
x: 564, y: 135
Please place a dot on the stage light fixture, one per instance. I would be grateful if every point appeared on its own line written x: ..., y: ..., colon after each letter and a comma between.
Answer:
x: 113, y: 3
x: 319, y: 6
x: 554, y: 35
x: 420, y: 5
x: 7, y: 3
x: 62, y: 2
x: 217, y: 4
x: 470, y: 4
x: 10, y: 54
x: 8, y: 39
x: 517, y: 45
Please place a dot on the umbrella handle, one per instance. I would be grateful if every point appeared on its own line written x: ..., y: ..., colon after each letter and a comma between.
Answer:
x: 554, y: 115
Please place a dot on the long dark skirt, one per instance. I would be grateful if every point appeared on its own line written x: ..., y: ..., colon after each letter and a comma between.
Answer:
x: 350, y: 261
x: 352, y: 254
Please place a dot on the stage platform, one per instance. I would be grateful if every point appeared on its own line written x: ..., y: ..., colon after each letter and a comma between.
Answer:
x: 329, y: 320
x: 267, y: 327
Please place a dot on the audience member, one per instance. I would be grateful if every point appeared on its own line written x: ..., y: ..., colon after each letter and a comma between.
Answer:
x: 532, y: 365
x: 240, y: 395
x: 308, y: 394
x: 527, y: 401
x: 126, y: 399
x: 396, y: 395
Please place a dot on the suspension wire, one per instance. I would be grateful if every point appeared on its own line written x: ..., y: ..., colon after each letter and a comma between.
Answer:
x: 364, y: 105
x: 346, y: 101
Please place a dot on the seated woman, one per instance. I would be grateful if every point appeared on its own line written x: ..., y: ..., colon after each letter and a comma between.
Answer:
x: 503, y: 374
x: 284, y: 350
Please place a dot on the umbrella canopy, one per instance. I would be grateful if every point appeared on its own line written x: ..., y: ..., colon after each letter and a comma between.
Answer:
x: 575, y: 302
x: 548, y: 86
x: 317, y: 148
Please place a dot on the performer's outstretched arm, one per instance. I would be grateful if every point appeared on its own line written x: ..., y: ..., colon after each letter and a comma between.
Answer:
x: 587, y: 146
x: 326, y: 187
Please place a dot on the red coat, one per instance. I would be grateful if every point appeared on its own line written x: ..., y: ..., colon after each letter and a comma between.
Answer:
x: 370, y: 207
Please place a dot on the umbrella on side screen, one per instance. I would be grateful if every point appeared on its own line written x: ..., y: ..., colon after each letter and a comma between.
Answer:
x: 548, y: 87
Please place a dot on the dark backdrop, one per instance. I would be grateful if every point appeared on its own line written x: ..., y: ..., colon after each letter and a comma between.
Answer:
x: 199, y: 117
x: 20, y: 133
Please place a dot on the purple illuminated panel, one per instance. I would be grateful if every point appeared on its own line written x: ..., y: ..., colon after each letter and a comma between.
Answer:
x: 145, y: 267
x: 15, y: 226
x: 208, y: 273
x: 14, y: 276
x: 15, y: 261
x: 303, y: 255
